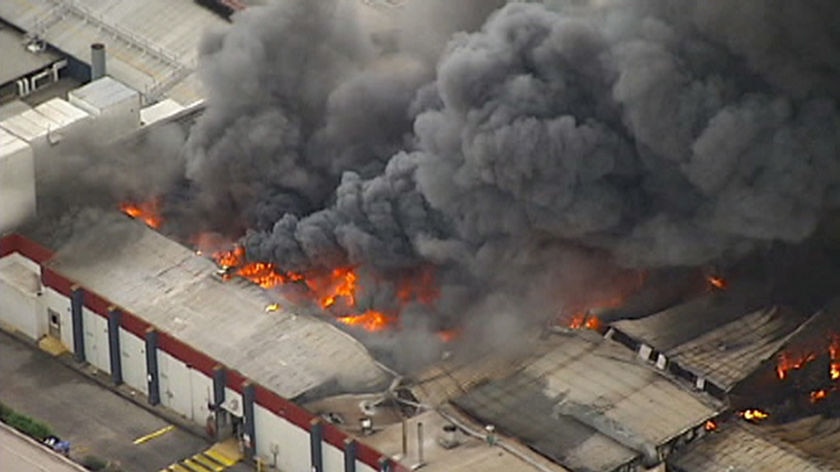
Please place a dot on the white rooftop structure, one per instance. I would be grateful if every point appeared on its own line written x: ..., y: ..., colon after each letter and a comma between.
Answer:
x: 43, y: 120
x: 17, y: 182
x: 150, y: 45
x: 169, y: 286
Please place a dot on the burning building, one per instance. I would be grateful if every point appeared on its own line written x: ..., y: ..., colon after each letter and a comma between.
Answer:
x: 421, y: 190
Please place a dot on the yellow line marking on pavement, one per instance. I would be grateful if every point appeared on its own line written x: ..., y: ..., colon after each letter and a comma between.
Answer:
x: 154, y: 435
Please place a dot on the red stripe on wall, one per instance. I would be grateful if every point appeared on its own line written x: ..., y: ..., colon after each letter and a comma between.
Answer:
x: 186, y: 354
x: 368, y: 455
x: 96, y: 303
x: 56, y: 281
x: 278, y: 405
x: 334, y: 436
x: 234, y: 380
x: 26, y: 247
x: 134, y: 325
x: 8, y: 244
x: 33, y: 250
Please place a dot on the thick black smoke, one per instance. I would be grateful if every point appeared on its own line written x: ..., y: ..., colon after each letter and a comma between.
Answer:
x: 559, y: 138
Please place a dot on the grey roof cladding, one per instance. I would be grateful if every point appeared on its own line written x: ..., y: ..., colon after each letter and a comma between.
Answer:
x: 292, y: 354
x: 730, y: 353
x: 740, y: 448
x: 589, y: 404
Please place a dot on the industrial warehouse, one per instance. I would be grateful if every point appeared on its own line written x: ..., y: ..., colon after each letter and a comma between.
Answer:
x: 702, y: 365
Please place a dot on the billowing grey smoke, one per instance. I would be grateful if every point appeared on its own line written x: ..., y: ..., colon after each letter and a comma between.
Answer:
x: 624, y: 126
x: 656, y: 132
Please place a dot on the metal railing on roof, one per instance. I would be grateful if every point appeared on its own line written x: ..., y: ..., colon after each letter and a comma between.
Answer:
x: 179, y: 69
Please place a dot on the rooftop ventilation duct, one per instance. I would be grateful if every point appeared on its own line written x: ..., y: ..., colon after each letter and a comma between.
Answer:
x: 97, y: 61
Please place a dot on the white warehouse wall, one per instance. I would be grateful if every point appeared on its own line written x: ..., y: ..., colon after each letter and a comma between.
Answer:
x: 292, y: 441
x: 362, y: 467
x: 202, y: 393
x: 183, y: 389
x: 133, y: 361
x: 95, y: 328
x: 333, y: 458
x: 19, y: 288
x: 55, y: 301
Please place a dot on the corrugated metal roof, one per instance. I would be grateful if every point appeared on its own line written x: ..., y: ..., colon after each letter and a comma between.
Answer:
x: 735, y: 448
x: 166, y: 284
x: 733, y: 351
x: 102, y: 93
x: 589, y: 404
x: 815, y: 436
x: 61, y: 112
x: 681, y: 323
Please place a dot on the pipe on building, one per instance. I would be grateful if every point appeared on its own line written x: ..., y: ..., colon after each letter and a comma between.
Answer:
x: 97, y: 61
x: 77, y: 298
x: 350, y: 448
x: 316, y: 436
x: 248, y: 397
x: 114, y: 321
x: 152, y: 366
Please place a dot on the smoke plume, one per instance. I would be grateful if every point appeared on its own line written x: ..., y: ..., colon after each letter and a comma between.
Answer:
x: 528, y: 150
x: 512, y: 159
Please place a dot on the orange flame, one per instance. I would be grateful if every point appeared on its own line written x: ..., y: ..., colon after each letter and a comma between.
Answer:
x: 834, y: 354
x: 788, y: 362
x: 148, y: 211
x: 585, y: 320
x: 370, y: 320
x: 754, y: 414
x: 818, y: 395
x: 448, y: 335
x: 717, y: 282
x: 339, y: 285
x: 710, y: 425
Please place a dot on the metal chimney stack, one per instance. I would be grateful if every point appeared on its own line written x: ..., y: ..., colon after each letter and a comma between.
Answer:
x: 97, y: 61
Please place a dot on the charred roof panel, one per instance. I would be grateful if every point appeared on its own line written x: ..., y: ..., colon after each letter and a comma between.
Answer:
x: 589, y: 403
x: 739, y: 449
x: 731, y: 352
x: 670, y: 328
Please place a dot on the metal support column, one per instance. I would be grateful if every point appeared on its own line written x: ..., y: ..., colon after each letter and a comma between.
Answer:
x: 316, y: 436
x: 349, y: 455
x: 248, y: 397
x: 77, y: 300
x: 114, y: 320
x: 219, y: 382
x: 218, y: 386
x: 152, y: 366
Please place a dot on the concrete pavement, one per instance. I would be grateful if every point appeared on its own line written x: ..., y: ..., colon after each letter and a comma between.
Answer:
x: 95, y: 420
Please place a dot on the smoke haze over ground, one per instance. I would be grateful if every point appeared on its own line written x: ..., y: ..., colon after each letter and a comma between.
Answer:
x: 528, y: 152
